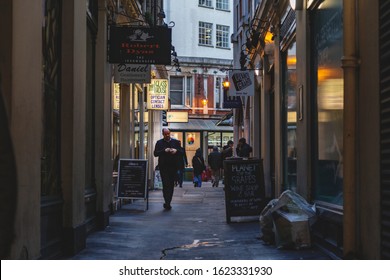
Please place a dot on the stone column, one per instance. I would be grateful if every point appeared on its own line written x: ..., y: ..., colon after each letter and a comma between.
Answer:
x: 73, y: 126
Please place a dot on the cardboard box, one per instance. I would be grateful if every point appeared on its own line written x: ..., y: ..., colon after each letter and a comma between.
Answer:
x: 291, y: 230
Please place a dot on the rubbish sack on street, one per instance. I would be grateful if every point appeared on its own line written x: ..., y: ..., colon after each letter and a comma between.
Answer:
x: 291, y: 217
x: 291, y: 230
x: 291, y: 202
x: 266, y: 223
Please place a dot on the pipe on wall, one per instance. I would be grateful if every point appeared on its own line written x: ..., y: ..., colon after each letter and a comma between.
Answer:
x: 350, y: 64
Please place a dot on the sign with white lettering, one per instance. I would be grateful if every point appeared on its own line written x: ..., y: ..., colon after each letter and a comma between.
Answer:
x: 132, y: 178
x: 244, y: 187
x: 139, y: 45
x: 132, y: 73
x: 243, y: 83
x: 158, y: 92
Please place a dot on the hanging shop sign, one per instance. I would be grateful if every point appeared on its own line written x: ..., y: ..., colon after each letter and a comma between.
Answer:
x: 132, y: 73
x: 243, y: 83
x: 230, y: 102
x: 158, y: 94
x: 139, y: 45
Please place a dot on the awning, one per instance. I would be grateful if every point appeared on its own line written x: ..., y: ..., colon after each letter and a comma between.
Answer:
x: 226, y: 120
x: 199, y: 125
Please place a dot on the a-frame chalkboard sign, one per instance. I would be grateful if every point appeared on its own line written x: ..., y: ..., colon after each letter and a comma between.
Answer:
x: 132, y: 179
x: 244, y: 187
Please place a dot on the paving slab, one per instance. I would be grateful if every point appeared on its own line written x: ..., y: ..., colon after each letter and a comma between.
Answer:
x: 194, y: 229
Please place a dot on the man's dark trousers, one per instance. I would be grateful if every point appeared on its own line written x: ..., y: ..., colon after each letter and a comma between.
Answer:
x: 168, y: 176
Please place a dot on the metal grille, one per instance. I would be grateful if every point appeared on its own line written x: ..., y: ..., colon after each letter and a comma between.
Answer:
x: 384, y: 69
x: 51, y: 48
x: 288, y: 24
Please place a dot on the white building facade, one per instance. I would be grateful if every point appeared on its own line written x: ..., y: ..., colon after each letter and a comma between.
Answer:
x: 201, y: 40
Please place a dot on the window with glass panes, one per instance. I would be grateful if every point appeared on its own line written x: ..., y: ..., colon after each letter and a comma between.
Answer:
x: 222, y: 36
x: 206, y: 3
x: 205, y: 33
x: 176, y: 88
x: 217, y: 93
x: 327, y: 48
x: 222, y: 4
x: 189, y: 91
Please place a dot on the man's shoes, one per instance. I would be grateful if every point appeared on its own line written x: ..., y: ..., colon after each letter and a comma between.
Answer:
x: 167, y: 206
x: 181, y: 186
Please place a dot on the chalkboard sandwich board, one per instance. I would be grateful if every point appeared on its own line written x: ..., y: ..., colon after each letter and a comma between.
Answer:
x: 244, y: 187
x: 132, y: 178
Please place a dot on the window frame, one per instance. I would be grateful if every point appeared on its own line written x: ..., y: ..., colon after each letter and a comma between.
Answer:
x: 205, y: 3
x: 222, y: 5
x: 224, y: 34
x: 171, y: 89
x: 202, y: 33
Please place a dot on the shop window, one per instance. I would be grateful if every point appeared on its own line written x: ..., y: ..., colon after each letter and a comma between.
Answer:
x: 327, y: 43
x: 226, y: 136
x: 290, y: 118
x: 192, y: 143
x: 214, y: 139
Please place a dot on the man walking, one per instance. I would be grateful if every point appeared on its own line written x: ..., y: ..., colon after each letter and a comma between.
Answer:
x: 215, y: 162
x: 183, y: 162
x: 169, y: 152
x: 227, y: 150
x: 243, y: 149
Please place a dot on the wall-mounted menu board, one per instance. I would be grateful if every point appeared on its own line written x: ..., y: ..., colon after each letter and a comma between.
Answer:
x: 244, y: 187
x: 132, y: 178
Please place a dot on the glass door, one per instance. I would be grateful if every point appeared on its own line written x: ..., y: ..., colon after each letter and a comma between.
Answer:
x: 290, y: 118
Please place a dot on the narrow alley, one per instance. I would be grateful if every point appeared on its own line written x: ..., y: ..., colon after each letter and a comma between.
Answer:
x: 195, y: 229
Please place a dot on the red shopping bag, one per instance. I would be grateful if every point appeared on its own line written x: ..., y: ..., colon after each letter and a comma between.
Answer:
x: 206, y: 175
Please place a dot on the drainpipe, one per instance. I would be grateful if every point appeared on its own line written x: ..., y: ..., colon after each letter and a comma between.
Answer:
x: 350, y: 64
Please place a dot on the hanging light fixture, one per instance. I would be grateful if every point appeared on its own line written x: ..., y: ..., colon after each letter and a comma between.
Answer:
x: 226, y: 83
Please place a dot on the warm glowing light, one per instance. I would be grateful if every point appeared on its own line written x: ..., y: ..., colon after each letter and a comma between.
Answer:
x: 329, y: 73
x: 226, y: 84
x: 330, y: 94
x: 291, y: 60
x: 291, y: 117
x: 204, y: 102
x: 116, y: 96
x: 268, y: 37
